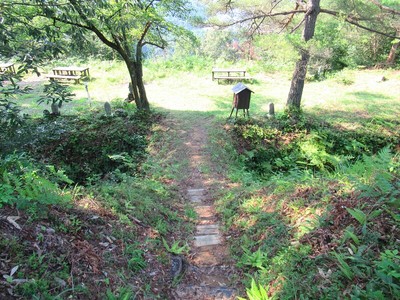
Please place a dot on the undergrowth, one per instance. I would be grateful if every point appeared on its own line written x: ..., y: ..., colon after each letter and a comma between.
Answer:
x: 321, y: 220
x: 79, y: 218
x: 87, y: 146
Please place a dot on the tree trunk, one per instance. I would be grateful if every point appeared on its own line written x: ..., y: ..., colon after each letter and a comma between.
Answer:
x: 390, y: 61
x: 144, y: 103
x: 300, y: 72
x: 299, y: 76
x: 138, y: 89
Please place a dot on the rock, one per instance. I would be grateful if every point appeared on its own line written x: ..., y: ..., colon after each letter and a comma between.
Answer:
x: 177, y: 266
x: 107, y: 108
x: 120, y: 113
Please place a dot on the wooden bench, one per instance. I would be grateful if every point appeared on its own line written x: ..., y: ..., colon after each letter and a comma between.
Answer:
x: 69, y: 73
x: 229, y: 74
x: 67, y: 77
x: 7, y: 68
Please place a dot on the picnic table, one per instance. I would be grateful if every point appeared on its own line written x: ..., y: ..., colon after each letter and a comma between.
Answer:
x: 229, y: 74
x: 7, y: 68
x: 69, y: 73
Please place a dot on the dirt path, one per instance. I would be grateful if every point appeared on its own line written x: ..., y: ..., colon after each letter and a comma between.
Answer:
x: 208, y: 268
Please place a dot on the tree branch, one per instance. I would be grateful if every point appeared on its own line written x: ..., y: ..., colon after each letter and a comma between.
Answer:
x: 385, y: 8
x: 13, y: 3
x: 351, y: 20
x: 263, y: 16
x: 146, y: 29
x: 90, y: 26
x: 154, y: 44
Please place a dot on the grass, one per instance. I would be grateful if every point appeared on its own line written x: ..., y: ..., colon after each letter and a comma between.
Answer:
x: 367, y: 96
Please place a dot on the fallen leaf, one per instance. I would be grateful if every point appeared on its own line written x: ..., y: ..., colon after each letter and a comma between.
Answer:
x: 13, y: 270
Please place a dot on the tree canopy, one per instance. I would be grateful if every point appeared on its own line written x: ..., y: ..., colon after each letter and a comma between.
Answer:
x: 265, y: 17
x: 124, y: 26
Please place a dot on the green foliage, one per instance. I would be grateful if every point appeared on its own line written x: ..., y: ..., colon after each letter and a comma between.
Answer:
x: 256, y: 292
x: 376, y: 176
x: 89, y: 146
x: 124, y: 293
x: 175, y: 247
x: 10, y: 112
x: 219, y: 45
x: 276, y: 52
x: 146, y: 200
x: 294, y: 141
x: 388, y: 270
x: 56, y: 94
x: 136, y: 259
x: 341, y: 185
x: 30, y: 186
x: 344, y: 266
x: 255, y: 259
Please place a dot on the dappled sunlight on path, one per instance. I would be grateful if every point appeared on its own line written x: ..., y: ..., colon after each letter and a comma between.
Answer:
x: 209, y: 268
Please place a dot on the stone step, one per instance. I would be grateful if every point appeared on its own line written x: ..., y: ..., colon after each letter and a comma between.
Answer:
x: 207, y: 240
x: 219, y: 275
x: 196, y: 192
x: 207, y: 229
x: 196, y: 195
x: 205, y: 293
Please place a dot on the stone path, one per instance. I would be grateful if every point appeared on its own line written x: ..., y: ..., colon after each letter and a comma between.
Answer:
x: 209, y: 269
x: 208, y: 273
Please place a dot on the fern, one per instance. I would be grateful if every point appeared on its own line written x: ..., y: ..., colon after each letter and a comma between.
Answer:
x: 373, y: 176
x: 175, y: 248
x: 27, y: 186
x: 256, y: 292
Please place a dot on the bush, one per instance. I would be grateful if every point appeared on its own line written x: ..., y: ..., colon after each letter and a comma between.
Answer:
x: 294, y: 141
x: 89, y: 146
x: 10, y: 112
x: 28, y: 185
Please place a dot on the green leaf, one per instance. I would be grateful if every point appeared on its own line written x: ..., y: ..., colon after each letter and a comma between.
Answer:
x: 256, y: 292
x: 344, y: 267
x: 358, y: 214
x: 352, y: 236
x: 175, y: 248
x: 375, y: 213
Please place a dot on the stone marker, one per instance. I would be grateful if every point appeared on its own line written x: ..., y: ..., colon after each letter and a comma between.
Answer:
x: 107, y: 108
x: 271, y: 112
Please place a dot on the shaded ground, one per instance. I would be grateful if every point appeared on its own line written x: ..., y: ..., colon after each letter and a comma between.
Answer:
x: 88, y: 251
x: 84, y: 249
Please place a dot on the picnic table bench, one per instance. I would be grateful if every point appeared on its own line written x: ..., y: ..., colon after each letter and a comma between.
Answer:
x: 229, y: 74
x: 69, y: 73
x: 7, y: 68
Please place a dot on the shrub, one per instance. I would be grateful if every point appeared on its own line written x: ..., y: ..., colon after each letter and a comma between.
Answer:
x: 28, y: 185
x: 90, y: 146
